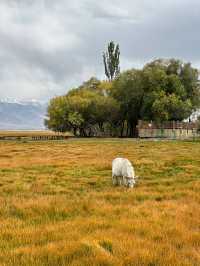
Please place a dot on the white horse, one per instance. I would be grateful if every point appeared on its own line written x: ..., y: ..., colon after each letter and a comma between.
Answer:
x: 123, y: 173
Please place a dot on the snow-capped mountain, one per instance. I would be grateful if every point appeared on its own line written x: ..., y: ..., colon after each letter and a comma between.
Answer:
x: 22, y: 115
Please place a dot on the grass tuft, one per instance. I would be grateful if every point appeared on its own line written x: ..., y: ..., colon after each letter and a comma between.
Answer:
x: 107, y: 245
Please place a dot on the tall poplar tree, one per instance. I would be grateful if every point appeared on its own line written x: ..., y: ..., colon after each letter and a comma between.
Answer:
x: 111, y: 61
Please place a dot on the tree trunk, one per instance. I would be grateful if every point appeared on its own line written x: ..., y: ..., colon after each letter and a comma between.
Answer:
x: 127, y: 128
x: 131, y: 130
x: 132, y: 125
x: 75, y: 131
x: 122, y: 129
x: 82, y: 132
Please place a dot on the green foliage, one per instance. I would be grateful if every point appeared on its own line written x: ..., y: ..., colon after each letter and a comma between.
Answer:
x: 128, y: 91
x: 170, y: 107
x: 91, y: 84
x: 58, y: 110
x: 86, y: 111
x: 163, y: 90
x: 75, y: 119
x: 111, y: 61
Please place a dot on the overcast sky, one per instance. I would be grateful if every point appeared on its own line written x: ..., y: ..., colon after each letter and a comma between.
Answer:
x: 49, y: 46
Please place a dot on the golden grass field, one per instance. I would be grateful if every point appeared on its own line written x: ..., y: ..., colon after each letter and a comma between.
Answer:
x: 26, y: 133
x: 58, y: 205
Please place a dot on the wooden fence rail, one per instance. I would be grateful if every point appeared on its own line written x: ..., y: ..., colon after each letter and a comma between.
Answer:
x: 35, y: 138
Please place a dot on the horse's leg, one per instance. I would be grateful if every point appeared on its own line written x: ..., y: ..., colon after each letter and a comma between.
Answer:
x: 114, y: 179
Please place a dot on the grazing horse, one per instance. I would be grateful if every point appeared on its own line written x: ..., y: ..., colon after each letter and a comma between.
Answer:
x: 123, y: 172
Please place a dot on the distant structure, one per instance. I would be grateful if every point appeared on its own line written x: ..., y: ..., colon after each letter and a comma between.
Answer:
x: 194, y: 116
x: 169, y: 129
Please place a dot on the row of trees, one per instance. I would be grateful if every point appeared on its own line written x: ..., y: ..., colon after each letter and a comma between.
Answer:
x: 163, y: 90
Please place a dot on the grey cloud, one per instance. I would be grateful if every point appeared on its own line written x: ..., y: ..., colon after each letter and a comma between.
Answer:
x: 48, y: 46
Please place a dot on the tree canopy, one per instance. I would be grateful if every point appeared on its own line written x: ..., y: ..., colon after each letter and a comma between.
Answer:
x: 84, y: 111
x: 163, y: 90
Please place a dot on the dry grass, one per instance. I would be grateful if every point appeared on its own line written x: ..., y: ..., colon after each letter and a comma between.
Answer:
x: 58, y: 206
x: 28, y: 133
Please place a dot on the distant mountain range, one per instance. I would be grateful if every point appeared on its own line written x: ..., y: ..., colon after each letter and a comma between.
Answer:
x: 22, y: 115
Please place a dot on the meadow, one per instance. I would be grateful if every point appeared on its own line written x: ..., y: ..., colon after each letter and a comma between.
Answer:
x: 29, y: 133
x: 58, y: 205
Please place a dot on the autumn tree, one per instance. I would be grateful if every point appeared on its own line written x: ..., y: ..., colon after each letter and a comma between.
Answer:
x: 85, y: 111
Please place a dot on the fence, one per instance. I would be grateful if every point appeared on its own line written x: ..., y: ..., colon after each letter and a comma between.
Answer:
x: 35, y: 138
x: 169, y: 129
